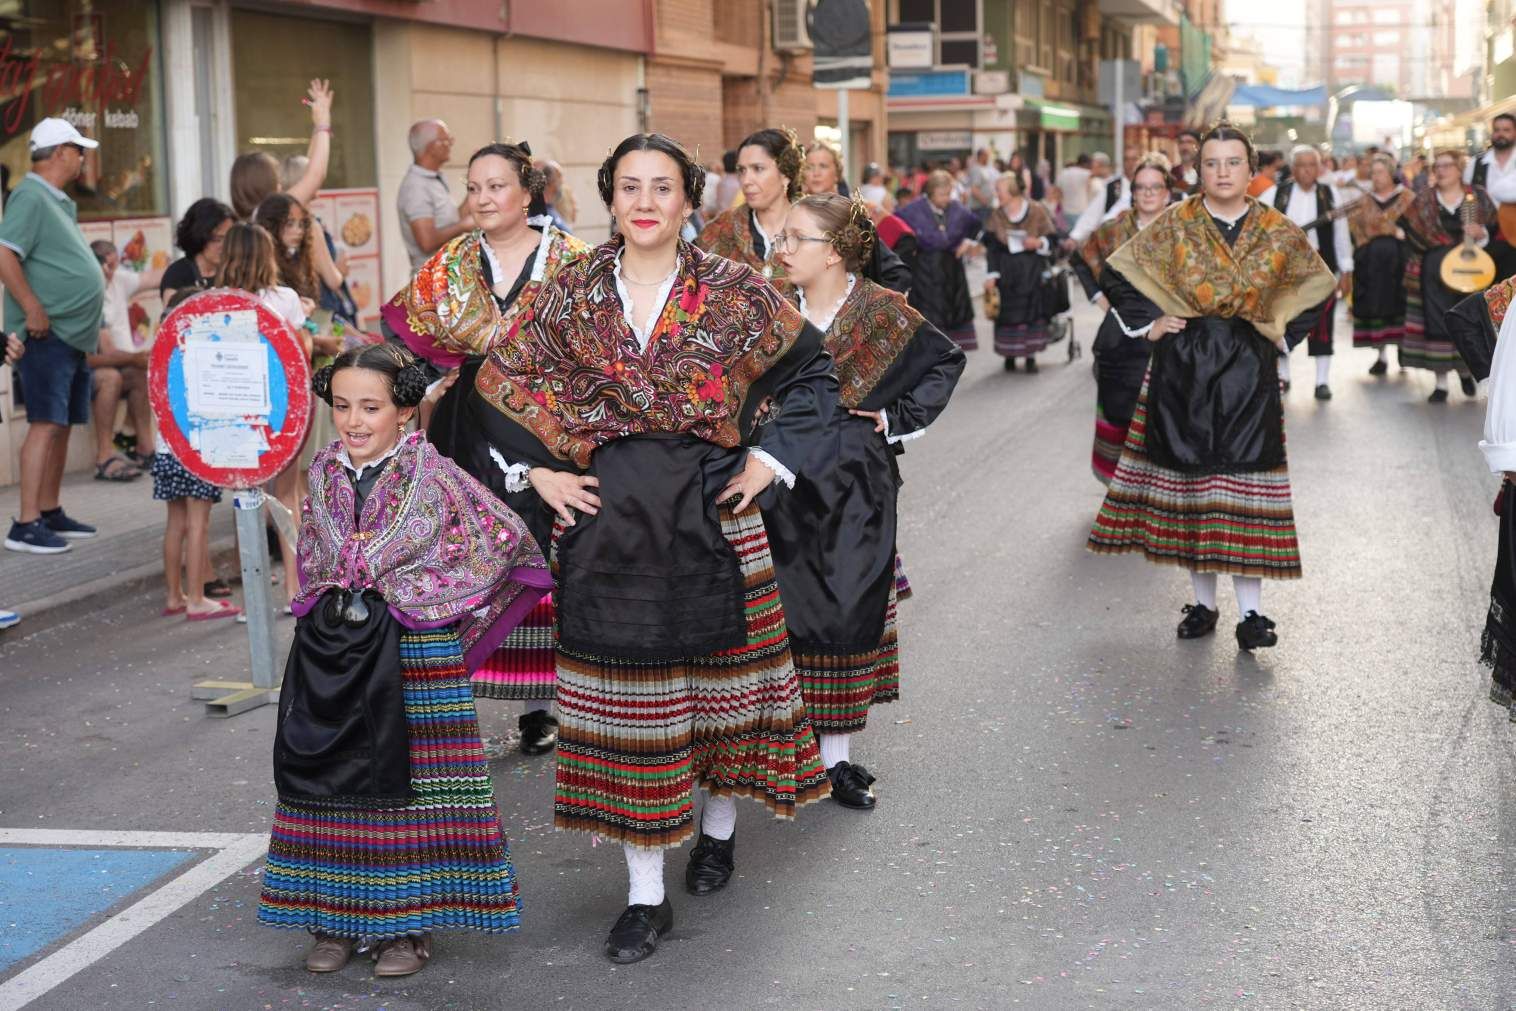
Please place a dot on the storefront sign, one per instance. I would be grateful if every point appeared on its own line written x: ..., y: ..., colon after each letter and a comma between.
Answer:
x: 992, y: 82
x: 909, y: 47
x: 944, y: 140
x: 940, y: 84
x: 70, y: 89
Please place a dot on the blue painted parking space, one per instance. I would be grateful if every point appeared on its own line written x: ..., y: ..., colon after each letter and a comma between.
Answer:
x: 48, y: 893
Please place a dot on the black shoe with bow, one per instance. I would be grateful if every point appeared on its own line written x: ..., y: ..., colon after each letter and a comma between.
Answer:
x: 1199, y: 621
x: 1255, y: 632
x: 1379, y: 368
x: 1438, y: 397
x: 539, y: 732
x: 637, y: 931
x: 711, y: 864
x: 851, y: 786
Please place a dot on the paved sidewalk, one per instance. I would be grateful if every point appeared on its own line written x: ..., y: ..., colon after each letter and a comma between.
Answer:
x: 126, y: 556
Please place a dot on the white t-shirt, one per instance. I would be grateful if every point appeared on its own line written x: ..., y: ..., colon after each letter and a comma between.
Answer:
x: 116, y: 321
x: 285, y: 302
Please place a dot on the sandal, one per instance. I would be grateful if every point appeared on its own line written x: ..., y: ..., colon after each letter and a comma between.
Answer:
x: 217, y: 589
x: 117, y: 468
x: 223, y: 610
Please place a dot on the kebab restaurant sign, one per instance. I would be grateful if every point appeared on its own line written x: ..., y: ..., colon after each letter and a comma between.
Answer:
x: 98, y: 88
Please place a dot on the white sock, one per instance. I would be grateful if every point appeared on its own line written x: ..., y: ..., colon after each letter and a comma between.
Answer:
x: 1284, y: 367
x: 1442, y: 381
x: 834, y: 748
x: 1205, y: 588
x: 644, y: 871
x: 719, y: 819
x: 1249, y: 590
x: 1323, y: 366
x: 1384, y: 352
x: 535, y: 706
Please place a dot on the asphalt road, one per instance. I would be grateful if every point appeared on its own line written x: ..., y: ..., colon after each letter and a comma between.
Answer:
x: 1076, y: 810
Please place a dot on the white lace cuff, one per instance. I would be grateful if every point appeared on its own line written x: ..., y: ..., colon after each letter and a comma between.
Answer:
x: 897, y: 439
x: 516, y: 474
x: 1141, y: 332
x: 781, y: 472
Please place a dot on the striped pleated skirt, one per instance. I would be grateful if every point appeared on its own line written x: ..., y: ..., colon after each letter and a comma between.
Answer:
x: 438, y: 863
x: 1109, y: 438
x: 838, y: 690
x: 1240, y: 524
x: 525, y: 665
x: 636, y: 737
x: 902, y: 584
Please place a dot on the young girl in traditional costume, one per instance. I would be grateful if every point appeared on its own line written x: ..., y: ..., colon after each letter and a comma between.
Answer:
x: 410, y: 572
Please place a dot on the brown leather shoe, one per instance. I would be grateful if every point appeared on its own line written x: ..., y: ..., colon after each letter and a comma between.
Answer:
x: 329, y: 953
x: 403, y: 956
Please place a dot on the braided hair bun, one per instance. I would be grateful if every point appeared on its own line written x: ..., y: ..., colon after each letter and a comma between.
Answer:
x: 410, y: 385
x: 846, y: 223
x: 321, y: 383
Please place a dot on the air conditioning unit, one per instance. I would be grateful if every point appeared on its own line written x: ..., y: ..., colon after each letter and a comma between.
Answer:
x: 790, y: 34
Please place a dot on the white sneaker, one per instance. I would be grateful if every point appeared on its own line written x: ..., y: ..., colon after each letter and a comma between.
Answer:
x: 8, y: 618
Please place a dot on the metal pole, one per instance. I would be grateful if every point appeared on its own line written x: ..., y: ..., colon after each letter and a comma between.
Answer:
x: 844, y: 128
x: 258, y: 601
x: 1120, y: 118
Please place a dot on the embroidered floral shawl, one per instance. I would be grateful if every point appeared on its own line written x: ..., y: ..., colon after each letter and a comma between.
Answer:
x: 448, y: 312
x: 1268, y: 277
x: 432, y: 541
x: 1497, y: 299
x: 1035, y: 223
x: 730, y: 234
x: 871, y: 329
x: 577, y: 379
x: 1109, y: 237
x: 1369, y: 220
x: 1423, y: 220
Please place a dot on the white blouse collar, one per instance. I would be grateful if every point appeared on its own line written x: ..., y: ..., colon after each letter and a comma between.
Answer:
x: 825, y: 323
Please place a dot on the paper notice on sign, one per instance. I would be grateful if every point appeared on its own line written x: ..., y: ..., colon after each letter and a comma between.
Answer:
x: 226, y: 378
x: 233, y: 446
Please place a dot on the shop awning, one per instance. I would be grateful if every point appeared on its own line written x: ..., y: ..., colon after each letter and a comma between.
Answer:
x: 1264, y: 96
x: 1068, y: 117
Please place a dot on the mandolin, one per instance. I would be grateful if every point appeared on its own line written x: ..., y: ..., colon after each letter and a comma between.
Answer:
x: 1467, y: 268
x: 1506, y: 215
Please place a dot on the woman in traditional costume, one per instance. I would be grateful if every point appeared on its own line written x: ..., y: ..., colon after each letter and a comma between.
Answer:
x: 461, y: 304
x: 1379, y: 262
x: 1018, y: 248
x: 1222, y: 285
x: 632, y: 389
x: 1434, y: 227
x: 833, y: 533
x: 411, y: 573
x: 1120, y: 361
x: 946, y: 232
x: 769, y: 164
x: 1484, y: 330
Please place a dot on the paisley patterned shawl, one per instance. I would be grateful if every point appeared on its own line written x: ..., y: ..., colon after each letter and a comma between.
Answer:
x: 730, y: 234
x: 1497, y: 299
x: 1035, y: 223
x: 868, y: 333
x: 448, y: 312
x: 1423, y: 220
x: 572, y: 374
x: 436, y: 544
x: 1182, y: 263
x: 1368, y: 220
x: 1108, y: 238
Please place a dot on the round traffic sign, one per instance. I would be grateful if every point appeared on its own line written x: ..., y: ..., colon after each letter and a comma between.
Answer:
x: 230, y: 387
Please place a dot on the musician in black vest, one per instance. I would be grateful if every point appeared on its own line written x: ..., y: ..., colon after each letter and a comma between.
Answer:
x: 1307, y: 200
x: 1495, y: 171
x: 1113, y: 197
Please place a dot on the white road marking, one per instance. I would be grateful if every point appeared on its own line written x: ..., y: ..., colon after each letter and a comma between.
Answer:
x: 234, y: 851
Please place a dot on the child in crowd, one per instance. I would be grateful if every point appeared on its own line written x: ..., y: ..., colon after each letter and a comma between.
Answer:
x: 410, y: 573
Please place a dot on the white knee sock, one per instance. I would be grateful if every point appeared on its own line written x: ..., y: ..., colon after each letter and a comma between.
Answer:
x: 1249, y: 590
x: 1384, y: 352
x: 1323, y: 366
x: 1442, y: 381
x: 834, y: 748
x: 535, y: 706
x: 719, y: 819
x: 1284, y: 367
x: 644, y: 871
x: 1205, y: 588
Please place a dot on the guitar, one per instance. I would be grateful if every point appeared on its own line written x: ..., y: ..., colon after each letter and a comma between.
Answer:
x: 1468, y: 268
x: 1506, y: 215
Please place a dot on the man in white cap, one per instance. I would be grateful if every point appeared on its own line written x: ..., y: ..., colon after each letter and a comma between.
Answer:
x: 54, y: 298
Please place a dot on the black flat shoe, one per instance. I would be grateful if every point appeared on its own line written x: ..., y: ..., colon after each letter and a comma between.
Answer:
x: 1031, y: 365
x: 1379, y: 368
x: 852, y: 786
x: 1255, y: 632
x: 711, y: 864
x: 637, y: 931
x: 1010, y: 365
x: 1199, y: 621
x: 1467, y: 382
x: 1438, y: 397
x: 1323, y: 392
x: 539, y: 732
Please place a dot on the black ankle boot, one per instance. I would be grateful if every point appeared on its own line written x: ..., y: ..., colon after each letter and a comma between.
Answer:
x: 637, y: 931
x: 711, y: 864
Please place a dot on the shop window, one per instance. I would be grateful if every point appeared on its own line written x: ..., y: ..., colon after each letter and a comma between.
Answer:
x: 272, y: 58
x: 918, y: 11
x: 95, y: 64
x: 959, y: 15
x: 959, y: 53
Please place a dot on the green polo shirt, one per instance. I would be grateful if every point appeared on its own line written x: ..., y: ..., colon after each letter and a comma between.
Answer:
x: 41, y: 226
